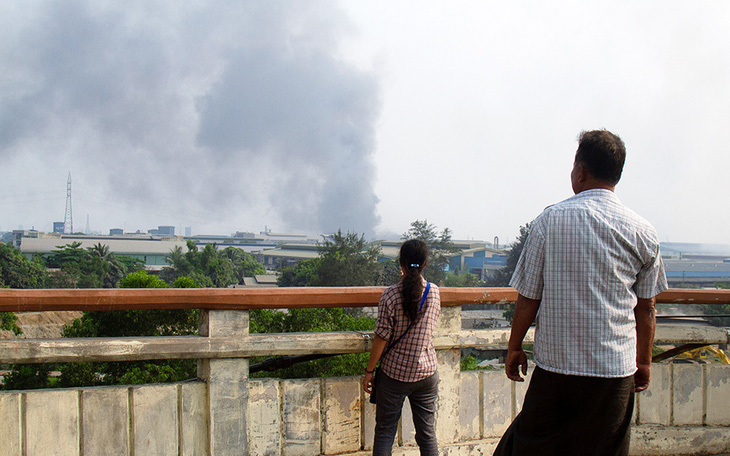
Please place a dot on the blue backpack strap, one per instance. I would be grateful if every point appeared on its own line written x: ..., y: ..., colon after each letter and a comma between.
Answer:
x: 425, y: 293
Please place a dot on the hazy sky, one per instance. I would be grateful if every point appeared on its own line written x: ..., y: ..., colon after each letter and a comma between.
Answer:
x: 310, y: 116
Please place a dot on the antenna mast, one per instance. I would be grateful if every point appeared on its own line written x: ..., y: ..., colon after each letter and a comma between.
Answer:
x: 68, y: 223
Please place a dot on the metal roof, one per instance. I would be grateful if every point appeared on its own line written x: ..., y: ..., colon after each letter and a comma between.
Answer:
x: 116, y: 245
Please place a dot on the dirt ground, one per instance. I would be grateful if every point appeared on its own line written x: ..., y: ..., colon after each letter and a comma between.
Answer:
x: 41, y: 325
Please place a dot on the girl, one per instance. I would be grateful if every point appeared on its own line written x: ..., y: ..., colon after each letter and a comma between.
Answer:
x: 407, y: 315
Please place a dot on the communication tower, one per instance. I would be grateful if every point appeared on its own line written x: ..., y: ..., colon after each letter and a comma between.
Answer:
x: 68, y: 222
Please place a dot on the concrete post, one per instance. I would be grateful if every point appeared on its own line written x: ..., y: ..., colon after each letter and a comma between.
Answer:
x: 449, y: 369
x: 227, y: 381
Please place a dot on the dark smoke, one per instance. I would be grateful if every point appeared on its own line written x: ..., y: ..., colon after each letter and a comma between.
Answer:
x: 232, y: 109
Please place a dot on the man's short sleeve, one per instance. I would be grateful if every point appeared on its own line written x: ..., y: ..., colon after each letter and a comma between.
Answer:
x: 528, y: 277
x: 651, y: 279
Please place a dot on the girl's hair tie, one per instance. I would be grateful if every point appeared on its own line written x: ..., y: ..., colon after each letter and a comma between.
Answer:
x: 415, y: 265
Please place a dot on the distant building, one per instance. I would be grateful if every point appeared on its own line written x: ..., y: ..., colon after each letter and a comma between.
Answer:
x: 116, y: 232
x: 474, y: 257
x: 150, y: 249
x: 163, y: 231
x: 58, y: 227
x: 259, y: 281
x: 287, y: 254
x: 697, y: 265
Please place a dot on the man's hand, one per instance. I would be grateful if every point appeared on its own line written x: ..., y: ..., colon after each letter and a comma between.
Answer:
x: 525, y: 312
x: 515, y: 359
x: 642, y: 377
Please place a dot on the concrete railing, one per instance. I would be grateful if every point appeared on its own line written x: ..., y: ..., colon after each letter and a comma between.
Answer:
x: 685, y: 411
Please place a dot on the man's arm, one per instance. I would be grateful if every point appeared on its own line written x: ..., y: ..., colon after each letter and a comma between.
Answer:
x: 645, y: 314
x: 525, y: 312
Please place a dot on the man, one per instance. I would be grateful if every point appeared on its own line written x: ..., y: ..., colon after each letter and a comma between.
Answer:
x: 592, y: 268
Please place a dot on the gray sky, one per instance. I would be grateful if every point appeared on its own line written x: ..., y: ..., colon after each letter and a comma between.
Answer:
x: 313, y: 116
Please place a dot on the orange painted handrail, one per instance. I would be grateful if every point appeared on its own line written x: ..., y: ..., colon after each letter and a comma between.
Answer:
x: 13, y: 300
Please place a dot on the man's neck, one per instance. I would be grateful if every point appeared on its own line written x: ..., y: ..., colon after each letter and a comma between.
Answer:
x: 591, y: 183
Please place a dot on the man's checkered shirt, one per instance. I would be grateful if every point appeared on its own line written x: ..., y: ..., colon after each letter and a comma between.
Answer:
x: 414, y: 357
x: 587, y: 259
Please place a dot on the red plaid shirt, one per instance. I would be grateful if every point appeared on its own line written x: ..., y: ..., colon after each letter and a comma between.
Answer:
x: 414, y: 357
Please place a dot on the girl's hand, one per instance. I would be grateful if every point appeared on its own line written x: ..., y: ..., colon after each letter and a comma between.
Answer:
x: 367, y: 382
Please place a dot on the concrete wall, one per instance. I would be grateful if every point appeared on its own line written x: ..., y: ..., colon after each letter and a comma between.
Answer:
x: 685, y: 411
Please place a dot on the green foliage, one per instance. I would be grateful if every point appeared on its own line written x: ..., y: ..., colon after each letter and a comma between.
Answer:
x: 16, y: 271
x: 127, y: 323
x: 304, y: 274
x: 131, y: 264
x: 347, y: 261
x: 440, y: 247
x: 307, y: 320
x: 313, y: 320
x: 465, y: 279
x: 185, y: 282
x: 93, y: 267
x: 142, y: 279
x: 79, y: 374
x: 8, y: 321
x: 210, y: 267
x: 388, y: 273
x: 159, y: 372
x: 28, y: 376
x: 469, y: 363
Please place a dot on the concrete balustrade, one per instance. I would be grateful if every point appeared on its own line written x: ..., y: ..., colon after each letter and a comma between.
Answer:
x: 332, y: 416
x: 686, y: 410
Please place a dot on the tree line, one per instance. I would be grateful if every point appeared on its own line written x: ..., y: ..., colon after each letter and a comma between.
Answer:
x: 345, y: 259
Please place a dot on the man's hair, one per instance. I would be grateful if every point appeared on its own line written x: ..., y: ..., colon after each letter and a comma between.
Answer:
x: 603, y: 154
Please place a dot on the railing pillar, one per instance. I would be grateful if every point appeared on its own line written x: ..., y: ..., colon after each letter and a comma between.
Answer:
x: 227, y: 381
x: 449, y: 369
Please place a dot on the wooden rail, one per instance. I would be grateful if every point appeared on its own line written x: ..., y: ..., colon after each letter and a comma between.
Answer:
x: 12, y: 300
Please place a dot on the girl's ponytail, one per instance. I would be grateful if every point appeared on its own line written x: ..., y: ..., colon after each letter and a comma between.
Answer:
x: 413, y: 258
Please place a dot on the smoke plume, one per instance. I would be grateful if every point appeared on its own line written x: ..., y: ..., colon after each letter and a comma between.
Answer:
x: 244, y: 113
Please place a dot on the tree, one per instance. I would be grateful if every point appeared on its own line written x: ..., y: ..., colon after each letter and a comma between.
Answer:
x: 210, y: 267
x: 244, y: 264
x: 465, y: 279
x: 16, y: 271
x: 313, y: 320
x: 93, y: 267
x: 347, y: 261
x: 304, y: 274
x: 440, y: 248
x: 126, y: 323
